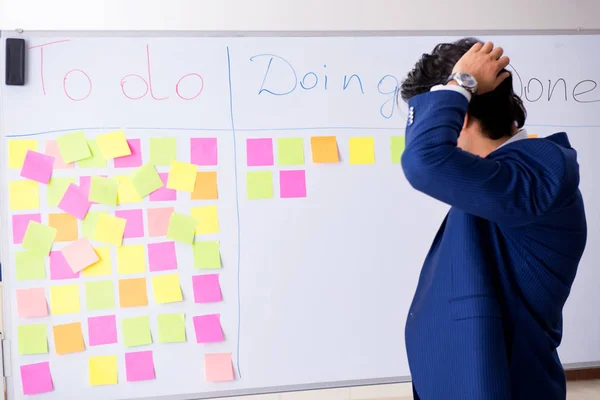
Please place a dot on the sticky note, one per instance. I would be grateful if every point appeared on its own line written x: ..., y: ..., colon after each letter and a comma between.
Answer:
x: 110, y: 229
x: 102, y: 330
x: 206, y: 186
x: 134, y: 227
x: 104, y: 191
x: 88, y: 225
x: 73, y: 147
x: 208, y: 328
x: 56, y: 189
x: 53, y: 151
x: 182, y: 228
x: 113, y: 144
x: 290, y: 151
x: 259, y: 185
x: 102, y: 370
x: 38, y: 238
x: 99, y: 295
x: 182, y: 176
x: 132, y: 293
x: 102, y: 267
x: 206, y: 255
x: 96, y: 160
x: 36, y: 378
x: 80, y: 254
x: 64, y: 299
x: 218, y: 367
x: 139, y: 366
x: 362, y: 150
x: 68, y: 338
x: 131, y: 259
x: 532, y: 136
x: 203, y: 151
x: 208, y: 219
x: 31, y: 303
x: 24, y: 195
x: 163, y: 194
x: 19, y: 225
x: 166, y: 288
x: 146, y: 180
x: 324, y: 149
x: 65, y: 225
x: 158, y: 220
x: 292, y: 184
x: 75, y: 202
x: 32, y: 339
x: 163, y: 151
x: 171, y: 328
x: 37, y: 167
x: 132, y: 160
x: 127, y: 193
x: 259, y: 152
x: 29, y: 266
x: 206, y: 288
x: 396, y: 148
x: 59, y: 268
x: 17, y: 150
x: 162, y: 256
x: 136, y: 331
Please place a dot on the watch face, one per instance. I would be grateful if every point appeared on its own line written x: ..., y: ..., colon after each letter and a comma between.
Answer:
x: 468, y: 80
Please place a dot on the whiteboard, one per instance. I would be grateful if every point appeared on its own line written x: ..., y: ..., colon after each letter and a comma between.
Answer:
x: 316, y: 289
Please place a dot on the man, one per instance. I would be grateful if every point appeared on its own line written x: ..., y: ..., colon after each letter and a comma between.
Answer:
x: 486, y: 318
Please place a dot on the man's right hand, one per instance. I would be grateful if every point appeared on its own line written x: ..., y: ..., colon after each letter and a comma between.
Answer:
x: 485, y: 63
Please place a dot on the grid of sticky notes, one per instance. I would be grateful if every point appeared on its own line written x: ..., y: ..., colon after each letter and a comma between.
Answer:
x: 95, y: 225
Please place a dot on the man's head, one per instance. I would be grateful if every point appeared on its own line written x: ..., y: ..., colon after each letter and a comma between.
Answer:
x: 492, y: 118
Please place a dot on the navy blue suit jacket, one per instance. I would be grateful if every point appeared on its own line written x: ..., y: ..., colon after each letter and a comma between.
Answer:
x: 486, y: 317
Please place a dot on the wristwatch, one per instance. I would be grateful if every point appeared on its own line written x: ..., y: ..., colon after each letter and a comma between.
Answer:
x: 464, y: 80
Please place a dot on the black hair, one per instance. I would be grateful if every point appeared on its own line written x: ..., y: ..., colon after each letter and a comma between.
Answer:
x: 498, y: 111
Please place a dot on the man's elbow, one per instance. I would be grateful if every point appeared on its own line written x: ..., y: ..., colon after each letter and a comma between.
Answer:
x: 416, y: 171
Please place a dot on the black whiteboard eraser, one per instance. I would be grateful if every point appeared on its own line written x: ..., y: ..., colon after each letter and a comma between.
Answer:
x: 15, y: 62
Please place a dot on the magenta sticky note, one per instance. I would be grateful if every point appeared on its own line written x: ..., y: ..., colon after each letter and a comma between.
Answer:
x: 162, y: 256
x: 36, y: 378
x: 139, y: 366
x: 259, y: 152
x: 37, y: 167
x: 134, y: 227
x: 102, y: 330
x: 132, y: 160
x: 206, y: 288
x: 292, y: 184
x: 203, y: 151
x: 163, y: 194
x: 79, y: 254
x: 208, y: 328
x: 53, y: 151
x: 59, y: 268
x: 19, y: 225
x: 75, y: 202
x: 31, y: 303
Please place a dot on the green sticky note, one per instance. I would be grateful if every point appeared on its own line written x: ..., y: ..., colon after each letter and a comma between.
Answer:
x: 146, y: 180
x: 30, y: 266
x: 56, y: 190
x: 88, y: 225
x: 136, y: 331
x: 32, y: 339
x: 397, y: 148
x: 97, y: 160
x: 104, y: 191
x: 182, y: 228
x: 290, y: 151
x: 163, y: 151
x: 39, y: 238
x: 259, y: 185
x: 171, y: 328
x: 206, y: 255
x: 99, y: 295
x: 73, y: 147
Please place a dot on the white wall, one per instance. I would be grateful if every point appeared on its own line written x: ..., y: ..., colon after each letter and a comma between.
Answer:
x: 299, y: 15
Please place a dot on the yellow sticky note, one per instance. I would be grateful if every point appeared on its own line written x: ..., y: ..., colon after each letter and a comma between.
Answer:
x: 166, y: 288
x: 113, y: 144
x: 110, y: 229
x: 208, y: 219
x: 101, y: 267
x: 17, y: 150
x: 73, y: 147
x: 64, y: 299
x: 182, y: 176
x: 102, y: 370
x: 131, y: 259
x: 362, y: 150
x: 24, y: 195
x: 126, y: 194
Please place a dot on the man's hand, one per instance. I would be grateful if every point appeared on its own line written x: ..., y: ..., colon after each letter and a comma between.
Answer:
x: 484, y: 63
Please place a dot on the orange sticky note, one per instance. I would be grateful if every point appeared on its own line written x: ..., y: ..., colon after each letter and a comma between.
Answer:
x: 218, y: 367
x: 65, y: 225
x: 206, y: 186
x: 532, y: 136
x: 132, y: 293
x: 68, y: 338
x: 324, y: 149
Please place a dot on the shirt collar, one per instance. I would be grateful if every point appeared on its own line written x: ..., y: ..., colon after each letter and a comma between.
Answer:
x: 520, y: 135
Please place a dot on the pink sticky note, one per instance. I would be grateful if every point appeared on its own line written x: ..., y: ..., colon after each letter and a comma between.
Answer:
x: 75, y: 202
x: 134, y: 227
x: 36, y: 378
x: 259, y: 152
x: 102, y: 330
x: 161, y: 256
x: 53, y: 151
x: 208, y: 328
x: 80, y: 254
x: 132, y: 160
x: 163, y: 194
x: 19, y: 225
x: 203, y: 151
x: 158, y: 220
x: 32, y: 303
x: 292, y: 184
x: 206, y: 288
x: 218, y: 367
x: 37, y: 167
x: 139, y: 366
x: 59, y: 268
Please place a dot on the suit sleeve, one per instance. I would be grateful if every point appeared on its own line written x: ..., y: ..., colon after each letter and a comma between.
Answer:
x: 514, y: 188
